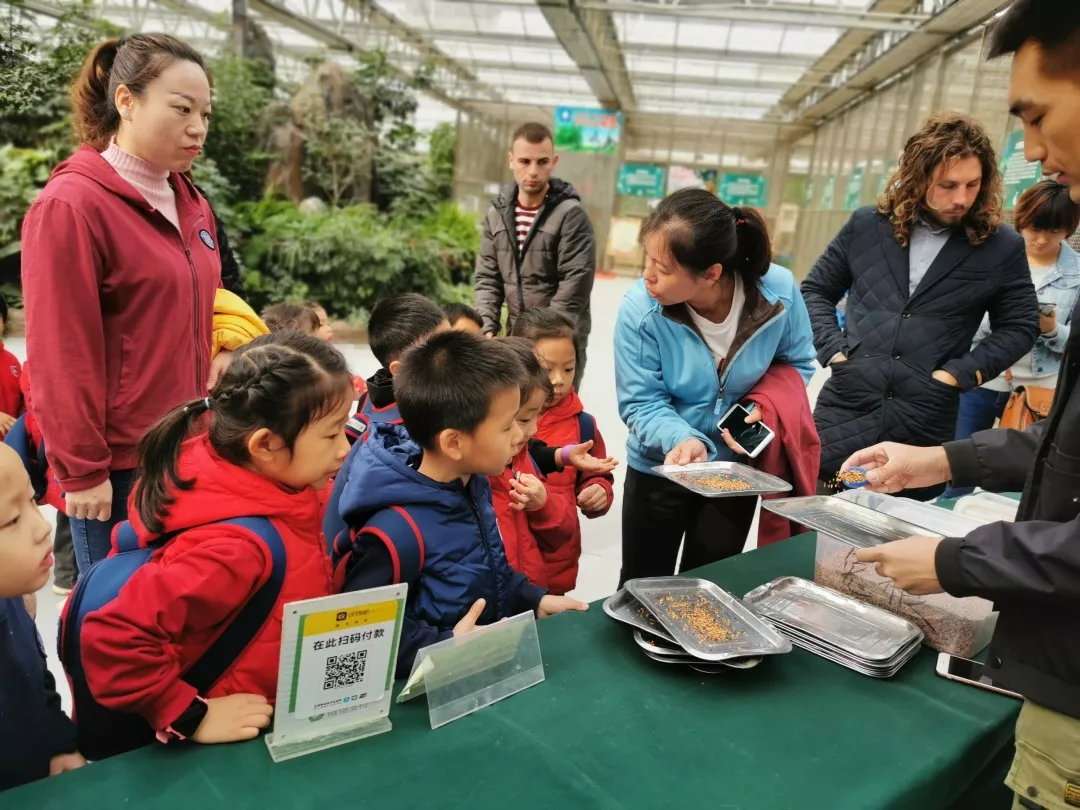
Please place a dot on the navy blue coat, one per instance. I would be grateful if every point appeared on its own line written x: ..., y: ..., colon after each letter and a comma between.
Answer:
x: 441, y: 539
x: 895, y: 341
x: 33, y: 727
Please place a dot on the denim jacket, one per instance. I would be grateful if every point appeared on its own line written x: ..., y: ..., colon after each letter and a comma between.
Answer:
x: 1061, y: 287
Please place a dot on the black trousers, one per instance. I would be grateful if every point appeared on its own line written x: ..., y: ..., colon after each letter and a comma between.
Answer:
x: 657, y: 514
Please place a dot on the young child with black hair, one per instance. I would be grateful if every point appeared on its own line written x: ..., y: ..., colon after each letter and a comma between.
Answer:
x: 36, y: 738
x: 275, y: 436
x: 11, y: 398
x: 418, y: 501
x: 564, y: 422
x: 291, y: 318
x: 464, y: 317
x: 535, y: 520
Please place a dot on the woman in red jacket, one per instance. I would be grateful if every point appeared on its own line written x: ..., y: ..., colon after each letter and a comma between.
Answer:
x: 276, y: 435
x: 119, y: 269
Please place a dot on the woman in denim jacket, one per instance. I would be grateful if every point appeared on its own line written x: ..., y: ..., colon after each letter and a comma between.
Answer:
x: 1045, y: 217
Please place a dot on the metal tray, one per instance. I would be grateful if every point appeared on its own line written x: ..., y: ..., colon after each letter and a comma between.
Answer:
x: 748, y: 634
x: 657, y: 646
x: 862, y: 631
x: 690, y: 476
x: 623, y: 607
x: 934, y: 519
x: 846, y: 521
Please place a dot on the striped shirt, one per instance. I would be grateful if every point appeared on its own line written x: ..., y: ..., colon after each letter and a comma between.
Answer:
x: 524, y: 218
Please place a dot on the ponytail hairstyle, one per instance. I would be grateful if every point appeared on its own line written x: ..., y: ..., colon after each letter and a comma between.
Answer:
x: 702, y: 231
x: 540, y: 323
x: 134, y: 62
x: 280, y: 382
x: 536, y: 377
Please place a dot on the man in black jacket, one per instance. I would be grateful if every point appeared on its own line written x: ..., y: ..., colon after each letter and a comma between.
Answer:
x: 922, y: 269
x: 1030, y: 568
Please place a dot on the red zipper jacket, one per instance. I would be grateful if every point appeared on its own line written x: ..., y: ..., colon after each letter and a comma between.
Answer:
x: 794, y: 454
x: 11, y: 397
x: 119, y: 313
x: 559, y: 427
x: 173, y: 608
x: 527, y: 534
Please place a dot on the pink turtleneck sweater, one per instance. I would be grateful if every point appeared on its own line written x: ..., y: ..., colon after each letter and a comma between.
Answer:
x: 147, y: 179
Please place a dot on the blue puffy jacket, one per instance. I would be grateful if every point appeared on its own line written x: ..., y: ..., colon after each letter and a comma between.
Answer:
x: 668, y: 386
x: 441, y: 539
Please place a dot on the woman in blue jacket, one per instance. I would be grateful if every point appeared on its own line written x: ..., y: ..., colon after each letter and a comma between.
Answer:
x: 709, y: 317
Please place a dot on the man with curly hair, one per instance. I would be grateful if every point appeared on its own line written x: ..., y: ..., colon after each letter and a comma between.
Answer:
x: 923, y: 268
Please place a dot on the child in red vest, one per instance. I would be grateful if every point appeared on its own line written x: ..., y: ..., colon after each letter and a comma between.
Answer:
x: 276, y: 434
x: 534, y: 520
x: 564, y: 422
x: 11, y: 398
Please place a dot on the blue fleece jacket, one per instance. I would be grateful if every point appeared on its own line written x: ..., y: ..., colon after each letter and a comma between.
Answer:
x: 33, y: 727
x: 441, y: 539
x: 666, y: 379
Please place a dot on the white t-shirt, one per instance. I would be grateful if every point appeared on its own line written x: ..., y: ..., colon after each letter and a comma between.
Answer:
x: 719, y: 336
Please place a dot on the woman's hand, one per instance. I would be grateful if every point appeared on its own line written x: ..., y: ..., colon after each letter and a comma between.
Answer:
x: 734, y: 446
x: 686, y: 452
x: 91, y: 504
x: 218, y: 367
x: 233, y: 718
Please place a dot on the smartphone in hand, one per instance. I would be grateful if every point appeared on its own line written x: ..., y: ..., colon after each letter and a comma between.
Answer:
x: 751, y: 438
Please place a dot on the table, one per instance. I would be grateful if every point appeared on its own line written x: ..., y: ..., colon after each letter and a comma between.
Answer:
x: 611, y: 729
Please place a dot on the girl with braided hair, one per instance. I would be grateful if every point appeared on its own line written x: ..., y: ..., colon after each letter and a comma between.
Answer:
x: 270, y: 435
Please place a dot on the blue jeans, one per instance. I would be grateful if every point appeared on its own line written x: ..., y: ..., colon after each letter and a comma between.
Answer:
x: 979, y: 409
x: 93, y: 538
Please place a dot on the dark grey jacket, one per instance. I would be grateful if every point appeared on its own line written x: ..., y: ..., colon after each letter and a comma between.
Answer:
x: 894, y: 343
x: 556, y: 268
x: 1030, y: 568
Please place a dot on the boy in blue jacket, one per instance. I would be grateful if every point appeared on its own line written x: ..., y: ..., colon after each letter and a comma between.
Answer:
x: 418, y: 502
x: 36, y: 738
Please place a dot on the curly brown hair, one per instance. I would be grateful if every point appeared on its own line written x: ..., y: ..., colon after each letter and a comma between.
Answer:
x: 945, y: 137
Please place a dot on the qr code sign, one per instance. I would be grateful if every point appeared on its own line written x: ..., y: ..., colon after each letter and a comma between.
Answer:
x: 346, y: 669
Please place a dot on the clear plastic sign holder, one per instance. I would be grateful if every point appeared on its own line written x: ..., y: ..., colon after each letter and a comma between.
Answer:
x: 464, y: 674
x: 336, y: 675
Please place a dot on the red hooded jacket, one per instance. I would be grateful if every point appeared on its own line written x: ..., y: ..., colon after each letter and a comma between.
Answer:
x: 794, y: 454
x: 119, y: 313
x: 528, y: 534
x: 559, y: 427
x: 11, y: 397
x: 173, y: 608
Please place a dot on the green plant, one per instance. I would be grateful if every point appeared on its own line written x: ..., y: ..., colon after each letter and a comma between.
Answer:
x: 23, y: 172
x: 442, y: 146
x: 339, y: 153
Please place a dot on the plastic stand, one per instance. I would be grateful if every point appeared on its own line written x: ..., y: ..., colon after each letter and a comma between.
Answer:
x: 464, y: 674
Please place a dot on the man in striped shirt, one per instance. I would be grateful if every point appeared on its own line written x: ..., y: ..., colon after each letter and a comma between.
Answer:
x: 538, y: 247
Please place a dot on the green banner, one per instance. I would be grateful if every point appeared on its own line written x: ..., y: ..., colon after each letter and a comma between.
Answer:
x: 828, y: 191
x: 744, y: 189
x: 883, y: 181
x: 591, y: 131
x: 1019, y: 175
x: 853, y: 194
x: 640, y: 180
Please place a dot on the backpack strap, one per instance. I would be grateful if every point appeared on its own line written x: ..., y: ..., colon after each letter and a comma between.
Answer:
x: 33, y: 458
x: 396, y: 529
x: 227, y: 647
x: 586, y: 428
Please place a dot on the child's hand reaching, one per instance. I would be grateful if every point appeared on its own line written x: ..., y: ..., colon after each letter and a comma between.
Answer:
x: 527, y: 492
x: 233, y: 718
x: 469, y: 620
x: 6, y: 421
x: 594, y: 498
x: 62, y: 763
x: 581, y: 460
x: 550, y: 605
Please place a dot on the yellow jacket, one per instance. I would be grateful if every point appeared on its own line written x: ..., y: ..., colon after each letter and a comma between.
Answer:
x: 235, y: 323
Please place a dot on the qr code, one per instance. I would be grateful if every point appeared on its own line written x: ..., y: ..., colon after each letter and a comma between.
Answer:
x: 346, y: 669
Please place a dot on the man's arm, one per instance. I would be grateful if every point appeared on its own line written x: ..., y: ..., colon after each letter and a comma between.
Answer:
x: 997, y: 460
x: 487, y: 281
x: 1014, y: 326
x: 577, y: 263
x: 1031, y: 560
x: 829, y: 279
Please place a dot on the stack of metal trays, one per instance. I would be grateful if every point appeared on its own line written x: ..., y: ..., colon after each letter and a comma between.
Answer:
x: 694, y: 623
x: 860, y: 637
x: 853, y: 524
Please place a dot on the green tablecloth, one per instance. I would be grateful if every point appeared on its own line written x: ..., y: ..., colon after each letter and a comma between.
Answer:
x: 611, y: 729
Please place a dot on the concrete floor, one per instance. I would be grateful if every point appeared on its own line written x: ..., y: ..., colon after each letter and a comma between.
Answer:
x: 601, y: 538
